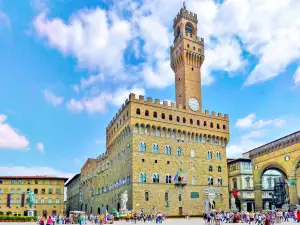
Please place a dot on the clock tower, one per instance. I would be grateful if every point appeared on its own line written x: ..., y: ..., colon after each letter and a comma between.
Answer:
x: 187, y: 56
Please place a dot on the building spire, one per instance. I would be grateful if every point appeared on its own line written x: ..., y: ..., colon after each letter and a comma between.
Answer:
x: 184, y: 5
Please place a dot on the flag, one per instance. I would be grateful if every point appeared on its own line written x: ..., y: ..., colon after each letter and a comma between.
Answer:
x: 176, y: 176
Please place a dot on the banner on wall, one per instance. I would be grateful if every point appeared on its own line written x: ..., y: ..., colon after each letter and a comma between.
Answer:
x: 8, y: 200
x: 23, y: 200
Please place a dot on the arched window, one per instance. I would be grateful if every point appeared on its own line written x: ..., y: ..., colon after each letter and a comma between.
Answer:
x: 50, y: 201
x: 189, y: 29
x: 146, y: 113
x: 219, y: 169
x: 218, y: 156
x: 209, y: 155
x: 224, y: 127
x: 191, y: 121
x: 143, y: 178
x: 155, y: 114
x: 12, y: 201
x: 12, y: 191
x: 170, y: 117
x: 146, y: 196
x: 168, y: 150
x: 198, y: 122
x: 57, y: 200
x: 205, y: 124
x: 168, y: 179
x: 18, y: 201
x: 142, y: 147
x: 178, y: 119
x: 19, y: 191
x: 193, y: 153
x: 155, y: 178
x: 138, y: 111
x: 210, y: 168
x: 218, y: 126
x: 211, y: 125
x: 220, y: 181
x: 44, y: 191
x: 179, y: 198
x: 42, y: 201
x: 178, y: 151
x: 210, y: 181
x: 184, y: 120
x: 36, y: 191
x: 155, y: 148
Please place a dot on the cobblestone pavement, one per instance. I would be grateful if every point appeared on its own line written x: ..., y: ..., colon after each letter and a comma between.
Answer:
x: 168, y: 222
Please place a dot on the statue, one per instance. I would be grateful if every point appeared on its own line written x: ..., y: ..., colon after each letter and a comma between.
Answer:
x: 30, y: 199
x: 124, y: 199
x: 232, y: 203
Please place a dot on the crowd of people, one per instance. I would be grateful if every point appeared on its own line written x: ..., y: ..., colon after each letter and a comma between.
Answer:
x: 252, y: 218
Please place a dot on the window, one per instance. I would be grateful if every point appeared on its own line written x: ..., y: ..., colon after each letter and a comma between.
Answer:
x: 19, y: 181
x: 198, y: 122
x: 246, y: 165
x: 155, y: 161
x: 189, y: 29
x: 210, y: 181
x: 178, y: 151
x: 211, y: 125
x: 220, y: 181
x: 194, y: 48
x: 188, y: 45
x: 18, y: 201
x: 170, y: 117
x: 42, y: 201
x: 49, y: 201
x: 247, y: 182
x: 218, y: 156
x: 234, y: 183
x: 36, y: 191
x: 178, y: 119
x: 57, y: 191
x: 168, y: 179
x: 155, y: 178
x: 142, y: 147
x: 36, y: 182
x: 166, y: 196
x: 146, y: 113
x: 57, y: 200
x: 219, y: 169
x: 138, y: 111
x: 50, y: 191
x: 168, y: 150
x: 168, y: 162
x: 184, y: 120
x: 163, y: 116
x: 43, y: 191
x: 269, y: 182
x: 28, y: 182
x: 143, y: 160
x: 209, y: 155
x: 155, y: 148
x: 191, y: 121
x: 205, y: 124
x: 12, y: 201
x: 12, y: 191
x: 224, y: 127
x: 13, y: 181
x: 50, y: 182
x: 210, y: 168
x: 146, y: 196
x: 44, y: 182
x: 194, y: 180
x: 19, y: 191
x: 193, y: 153
x: 143, y: 178
x: 179, y: 198
x: 218, y: 126
x: 155, y: 114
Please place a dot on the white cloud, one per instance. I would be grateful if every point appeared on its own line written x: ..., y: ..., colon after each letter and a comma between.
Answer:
x: 249, y: 122
x: 4, y: 19
x: 40, y: 147
x: 99, y: 103
x: 33, y: 171
x: 52, y: 98
x: 10, y: 138
x: 91, y: 80
x: 297, y: 76
x: 89, y: 36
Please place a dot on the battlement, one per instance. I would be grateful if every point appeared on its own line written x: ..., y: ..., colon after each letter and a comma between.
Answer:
x: 102, y: 156
x: 184, y: 13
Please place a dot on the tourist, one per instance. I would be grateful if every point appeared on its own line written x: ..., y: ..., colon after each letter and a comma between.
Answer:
x: 298, y: 216
x: 49, y: 221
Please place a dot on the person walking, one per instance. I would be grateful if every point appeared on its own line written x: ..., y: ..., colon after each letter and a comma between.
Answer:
x: 49, y: 221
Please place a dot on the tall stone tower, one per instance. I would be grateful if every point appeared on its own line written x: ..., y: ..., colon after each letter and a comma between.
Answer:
x: 187, y: 56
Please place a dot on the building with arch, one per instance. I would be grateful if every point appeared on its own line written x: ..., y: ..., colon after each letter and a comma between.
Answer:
x: 283, y: 156
x: 155, y: 148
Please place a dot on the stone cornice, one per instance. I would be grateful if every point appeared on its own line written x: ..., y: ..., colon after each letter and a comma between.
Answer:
x: 275, y: 145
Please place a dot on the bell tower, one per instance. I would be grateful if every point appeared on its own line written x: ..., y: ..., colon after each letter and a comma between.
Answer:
x: 187, y: 56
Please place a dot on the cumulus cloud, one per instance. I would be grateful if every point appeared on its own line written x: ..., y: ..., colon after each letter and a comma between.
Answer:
x: 10, y: 138
x: 99, y: 103
x: 52, y: 98
x: 297, y: 76
x: 249, y: 122
x: 40, y: 147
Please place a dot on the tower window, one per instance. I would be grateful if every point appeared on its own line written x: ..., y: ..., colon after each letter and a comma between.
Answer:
x: 194, y: 48
x: 178, y: 119
x: 138, y: 111
x: 163, y: 116
x: 192, y: 68
x: 184, y: 120
x: 155, y: 114
x: 198, y: 122
x: 188, y: 45
x: 218, y: 126
x: 189, y: 29
x: 170, y: 117
x: 211, y: 125
x: 199, y: 49
x: 191, y: 121
x: 146, y: 113
x: 205, y: 124
x: 179, y: 79
x: 224, y: 127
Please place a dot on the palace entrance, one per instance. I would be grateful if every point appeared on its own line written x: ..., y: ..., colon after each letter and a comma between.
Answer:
x: 276, y: 173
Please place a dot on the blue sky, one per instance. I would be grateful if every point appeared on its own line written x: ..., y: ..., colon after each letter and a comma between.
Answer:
x: 67, y: 66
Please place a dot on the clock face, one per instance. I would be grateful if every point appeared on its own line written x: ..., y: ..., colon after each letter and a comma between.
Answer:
x: 194, y: 104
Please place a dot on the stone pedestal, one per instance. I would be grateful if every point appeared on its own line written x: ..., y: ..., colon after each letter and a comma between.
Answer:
x: 30, y: 212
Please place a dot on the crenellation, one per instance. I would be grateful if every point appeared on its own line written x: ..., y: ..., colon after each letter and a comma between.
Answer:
x: 157, y: 101
x: 149, y: 100
x: 142, y: 97
x: 165, y: 103
x: 213, y: 114
x: 220, y: 115
x: 206, y: 112
x: 173, y: 104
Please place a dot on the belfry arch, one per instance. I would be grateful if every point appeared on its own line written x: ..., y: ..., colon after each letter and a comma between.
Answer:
x: 282, y: 155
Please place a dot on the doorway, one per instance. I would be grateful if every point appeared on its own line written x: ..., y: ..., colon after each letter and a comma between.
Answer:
x: 180, y: 211
x: 118, y: 206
